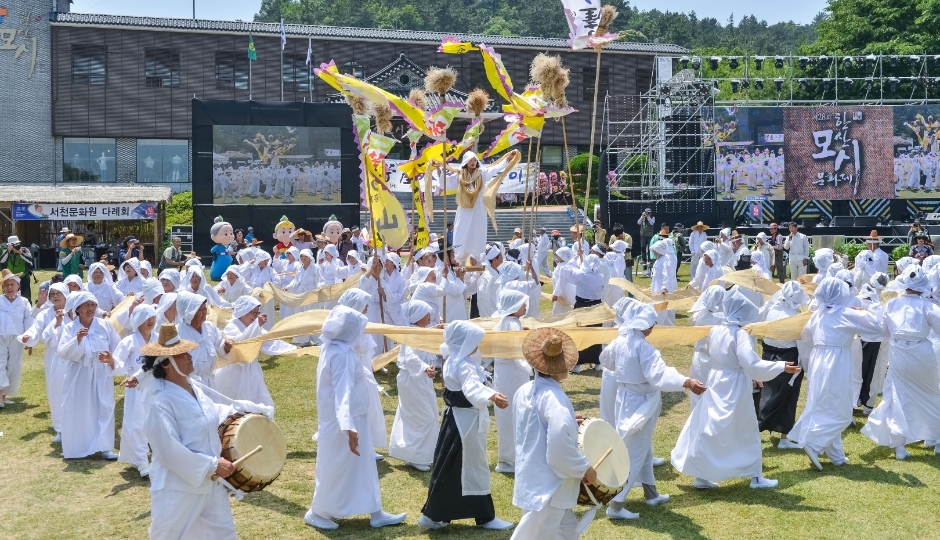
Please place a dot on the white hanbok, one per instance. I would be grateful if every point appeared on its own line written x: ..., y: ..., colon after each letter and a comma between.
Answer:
x: 414, y: 431
x: 508, y: 377
x: 128, y: 361
x: 246, y: 381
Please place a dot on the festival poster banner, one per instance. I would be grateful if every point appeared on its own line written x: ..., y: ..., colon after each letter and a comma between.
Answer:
x: 749, y: 152
x: 839, y: 153
x: 916, y: 150
x: 513, y: 183
x: 106, y: 212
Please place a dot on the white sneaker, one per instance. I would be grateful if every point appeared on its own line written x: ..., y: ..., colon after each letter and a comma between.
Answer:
x: 576, y: 369
x: 930, y: 443
x: 900, y: 453
x: 704, y: 484
x: 787, y: 444
x: 378, y: 456
x: 658, y: 461
x: 623, y: 513
x: 387, y: 519
x: 759, y: 482
x: 813, y: 456
x: 497, y: 525
x: 656, y: 501
x: 598, y: 367
x: 422, y: 468
x: 144, y: 471
x: 8, y: 402
x: 839, y: 463
x: 428, y: 523
x: 319, y: 522
x: 57, y: 438
x: 505, y: 468
x: 109, y: 455
x: 866, y: 410
x: 315, y: 436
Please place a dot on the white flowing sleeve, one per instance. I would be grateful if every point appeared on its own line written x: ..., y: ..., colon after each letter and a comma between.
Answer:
x: 163, y: 434
x: 34, y: 332
x: 563, y: 455
x: 122, y: 354
x: 410, y: 361
x: 226, y: 406
x: 753, y: 366
x: 69, y: 347
x: 473, y: 387
x: 607, y: 358
x: 395, y: 291
x: 657, y: 373
x: 214, y: 298
x: 342, y: 368
x: 454, y: 286
x: 867, y: 324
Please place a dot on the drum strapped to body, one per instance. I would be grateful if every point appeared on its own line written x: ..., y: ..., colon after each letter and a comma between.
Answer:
x: 242, y: 433
x: 604, y: 448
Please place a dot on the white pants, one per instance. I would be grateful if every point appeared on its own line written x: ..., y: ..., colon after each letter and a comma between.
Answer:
x: 508, y: 376
x: 797, y: 268
x: 546, y: 524
x: 696, y: 257
x: 11, y: 365
x: 180, y: 515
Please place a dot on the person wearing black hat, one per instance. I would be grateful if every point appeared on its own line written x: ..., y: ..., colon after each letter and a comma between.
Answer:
x: 916, y: 229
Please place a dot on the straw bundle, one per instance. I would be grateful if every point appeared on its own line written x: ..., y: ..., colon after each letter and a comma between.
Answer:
x: 608, y: 14
x: 417, y: 96
x: 440, y: 80
x: 477, y: 101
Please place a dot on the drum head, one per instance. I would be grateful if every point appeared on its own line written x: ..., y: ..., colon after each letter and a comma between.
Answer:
x: 596, y: 437
x: 258, y: 430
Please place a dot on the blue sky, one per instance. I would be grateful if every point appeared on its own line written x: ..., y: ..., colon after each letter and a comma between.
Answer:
x: 801, y: 11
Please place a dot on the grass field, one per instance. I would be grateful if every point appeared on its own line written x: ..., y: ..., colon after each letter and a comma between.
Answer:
x: 43, y: 496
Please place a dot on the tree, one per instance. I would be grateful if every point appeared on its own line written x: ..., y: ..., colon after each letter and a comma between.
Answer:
x: 878, y: 26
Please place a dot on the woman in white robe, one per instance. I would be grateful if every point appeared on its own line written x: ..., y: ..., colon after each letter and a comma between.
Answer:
x: 329, y: 268
x: 232, y: 286
x: 829, y: 400
x: 171, y: 278
x: 88, y: 391
x: 614, y: 258
x: 720, y: 440
x: 535, y: 292
x: 664, y: 277
x: 563, y: 282
x: 708, y: 310
x: 195, y: 281
x: 44, y: 329
x: 182, y: 428
x: 641, y: 376
x: 455, y: 294
x: 347, y: 479
x: 426, y: 289
x: 823, y: 258
x: 708, y: 271
x: 307, y: 279
x: 391, y: 290
x: 286, y: 269
x: 166, y: 309
x: 460, y: 478
x: 74, y: 283
x: 191, y: 324
x: 146, y: 269
x: 414, y: 431
x: 910, y: 406
x: 102, y: 286
x: 246, y: 381
x: 131, y: 282
x: 509, y: 374
x: 759, y: 264
x: 128, y: 361
x: 264, y: 274
x: 354, y: 265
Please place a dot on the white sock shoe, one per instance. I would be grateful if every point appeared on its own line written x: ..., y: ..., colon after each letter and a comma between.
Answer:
x: 109, y: 455
x: 901, y: 453
x: 658, y: 461
x: 759, y: 482
x: 623, y: 513
x: 428, y: 523
x: 319, y: 522
x: 57, y: 438
x: 787, y: 444
x: 656, y: 501
x: 505, y: 468
x: 383, y: 518
x: 813, y: 457
x: 703, y: 484
x: 422, y: 468
x: 497, y: 525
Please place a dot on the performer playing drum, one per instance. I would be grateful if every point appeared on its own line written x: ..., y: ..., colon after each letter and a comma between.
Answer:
x: 182, y: 429
x: 257, y: 449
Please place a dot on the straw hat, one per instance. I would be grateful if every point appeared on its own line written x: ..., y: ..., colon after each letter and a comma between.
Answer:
x: 6, y: 274
x: 303, y: 235
x: 700, y: 227
x: 168, y: 343
x: 577, y: 228
x: 65, y: 241
x: 735, y: 235
x: 550, y: 351
x: 873, y: 239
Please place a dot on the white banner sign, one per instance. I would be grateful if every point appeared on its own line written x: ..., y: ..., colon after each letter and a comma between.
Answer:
x: 514, y: 182
x: 60, y: 211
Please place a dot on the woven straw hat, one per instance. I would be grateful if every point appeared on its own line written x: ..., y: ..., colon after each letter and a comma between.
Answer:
x: 168, y: 343
x: 65, y: 241
x: 550, y: 351
x: 700, y: 227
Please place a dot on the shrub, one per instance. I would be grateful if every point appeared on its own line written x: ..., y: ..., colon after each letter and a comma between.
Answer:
x: 901, y: 251
x: 179, y: 211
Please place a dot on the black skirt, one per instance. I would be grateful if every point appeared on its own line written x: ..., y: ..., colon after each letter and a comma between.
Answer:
x: 474, y: 308
x: 591, y: 355
x: 446, y: 501
x: 777, y: 398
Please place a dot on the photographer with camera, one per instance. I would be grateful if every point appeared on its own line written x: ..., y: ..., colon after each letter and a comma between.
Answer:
x: 19, y: 261
x: 646, y: 223
x: 132, y: 249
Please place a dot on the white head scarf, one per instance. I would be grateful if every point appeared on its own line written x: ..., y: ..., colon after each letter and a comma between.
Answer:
x: 81, y: 297
x: 135, y: 264
x: 355, y: 255
x: 262, y: 256
x: 419, y: 277
x: 847, y: 276
x: 903, y: 263
x: 879, y: 281
x: 174, y: 277
x: 152, y: 289
x: 867, y: 292
x: 70, y: 301
x: 510, y: 302
x: 239, y: 279
x: 834, y: 269
x: 356, y: 299
x: 914, y: 279
x: 343, y: 325
x: 416, y: 310
x: 792, y: 295
x: 763, y: 237
x: 726, y: 232
x: 618, y: 308
x: 509, y: 271
x: 294, y: 251
x: 244, y: 305
x: 187, y: 304
x: 712, y: 300
x: 619, y: 246
x: 189, y: 275
x: 166, y: 302
x: 461, y: 338
x: 104, y: 270
x: 193, y: 262
x: 636, y: 315
x: 930, y: 262
x: 331, y: 249
x: 738, y: 309
x: 492, y: 253
x: 395, y: 259
x: 822, y: 259
x: 664, y: 247
x: 708, y: 245
x: 60, y: 287
x: 564, y: 253
x: 832, y: 294
x: 713, y: 257
x: 307, y: 253
x: 74, y: 279
x: 145, y: 265
x: 592, y: 263
x: 141, y: 314
x: 758, y: 260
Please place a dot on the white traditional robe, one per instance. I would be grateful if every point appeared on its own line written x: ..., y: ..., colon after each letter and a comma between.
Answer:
x: 246, y: 381
x: 15, y: 318
x: 106, y: 292
x: 211, y: 342
x: 508, y: 377
x: 910, y: 406
x: 205, y: 291
x: 488, y: 291
x: 550, y: 464
x: 229, y: 292
x: 465, y: 374
x: 36, y: 334
x: 720, y: 439
x: 455, y: 293
x: 128, y: 362
x: 414, y: 431
x: 394, y: 287
x: 88, y: 392
x: 564, y: 287
x: 470, y: 222
x: 641, y: 376
x: 306, y: 280
x: 260, y: 277
x: 829, y: 400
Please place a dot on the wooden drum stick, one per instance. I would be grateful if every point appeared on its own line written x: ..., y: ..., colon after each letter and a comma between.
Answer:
x: 239, y: 461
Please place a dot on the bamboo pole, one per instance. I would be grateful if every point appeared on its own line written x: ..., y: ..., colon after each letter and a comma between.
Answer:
x: 375, y: 232
x: 574, y: 202
x: 444, y: 191
x: 597, y: 82
x: 525, y: 198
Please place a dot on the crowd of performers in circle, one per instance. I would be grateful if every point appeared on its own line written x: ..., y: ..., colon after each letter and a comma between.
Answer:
x: 743, y: 171
x: 236, y: 184
x: 859, y: 341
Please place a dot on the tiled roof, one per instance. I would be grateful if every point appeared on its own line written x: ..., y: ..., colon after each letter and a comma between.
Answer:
x: 335, y: 32
x: 89, y: 193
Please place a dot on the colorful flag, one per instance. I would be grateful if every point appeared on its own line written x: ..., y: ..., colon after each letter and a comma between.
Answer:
x: 420, y: 228
x: 450, y: 45
x: 283, y: 35
x: 252, y: 53
x: 388, y: 217
x: 583, y: 17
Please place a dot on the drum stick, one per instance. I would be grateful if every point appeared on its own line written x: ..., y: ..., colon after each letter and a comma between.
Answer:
x: 238, y: 461
x: 601, y: 460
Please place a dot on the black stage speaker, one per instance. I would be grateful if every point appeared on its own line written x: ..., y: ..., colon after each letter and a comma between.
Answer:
x: 843, y: 221
x: 809, y: 223
x: 866, y: 221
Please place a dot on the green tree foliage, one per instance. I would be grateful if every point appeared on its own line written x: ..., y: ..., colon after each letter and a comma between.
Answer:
x: 180, y: 210
x: 879, y: 26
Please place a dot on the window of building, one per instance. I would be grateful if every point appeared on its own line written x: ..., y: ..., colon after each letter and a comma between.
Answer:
x: 296, y: 73
x: 587, y: 80
x: 162, y: 160
x: 162, y: 68
x: 231, y: 70
x: 89, y: 64
x: 553, y: 156
x: 88, y: 160
x: 353, y: 68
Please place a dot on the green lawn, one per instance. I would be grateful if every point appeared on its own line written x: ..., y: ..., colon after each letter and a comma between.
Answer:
x: 44, y: 496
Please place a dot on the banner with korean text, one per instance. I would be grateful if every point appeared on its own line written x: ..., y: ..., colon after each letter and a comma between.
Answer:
x: 61, y: 211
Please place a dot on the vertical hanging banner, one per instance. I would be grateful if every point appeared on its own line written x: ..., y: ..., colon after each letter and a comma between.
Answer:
x: 388, y: 217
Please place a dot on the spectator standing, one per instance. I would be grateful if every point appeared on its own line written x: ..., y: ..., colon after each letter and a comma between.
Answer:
x: 250, y: 236
x: 172, y: 256
x: 681, y: 244
x: 19, y: 261
x: 70, y: 255
x: 132, y: 249
x: 646, y: 222
x: 920, y: 249
x: 776, y: 241
x: 617, y: 233
x: 696, y: 238
x: 916, y: 229
x: 797, y: 244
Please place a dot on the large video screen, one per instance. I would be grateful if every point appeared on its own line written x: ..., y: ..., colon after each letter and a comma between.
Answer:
x: 276, y: 165
x: 826, y: 153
